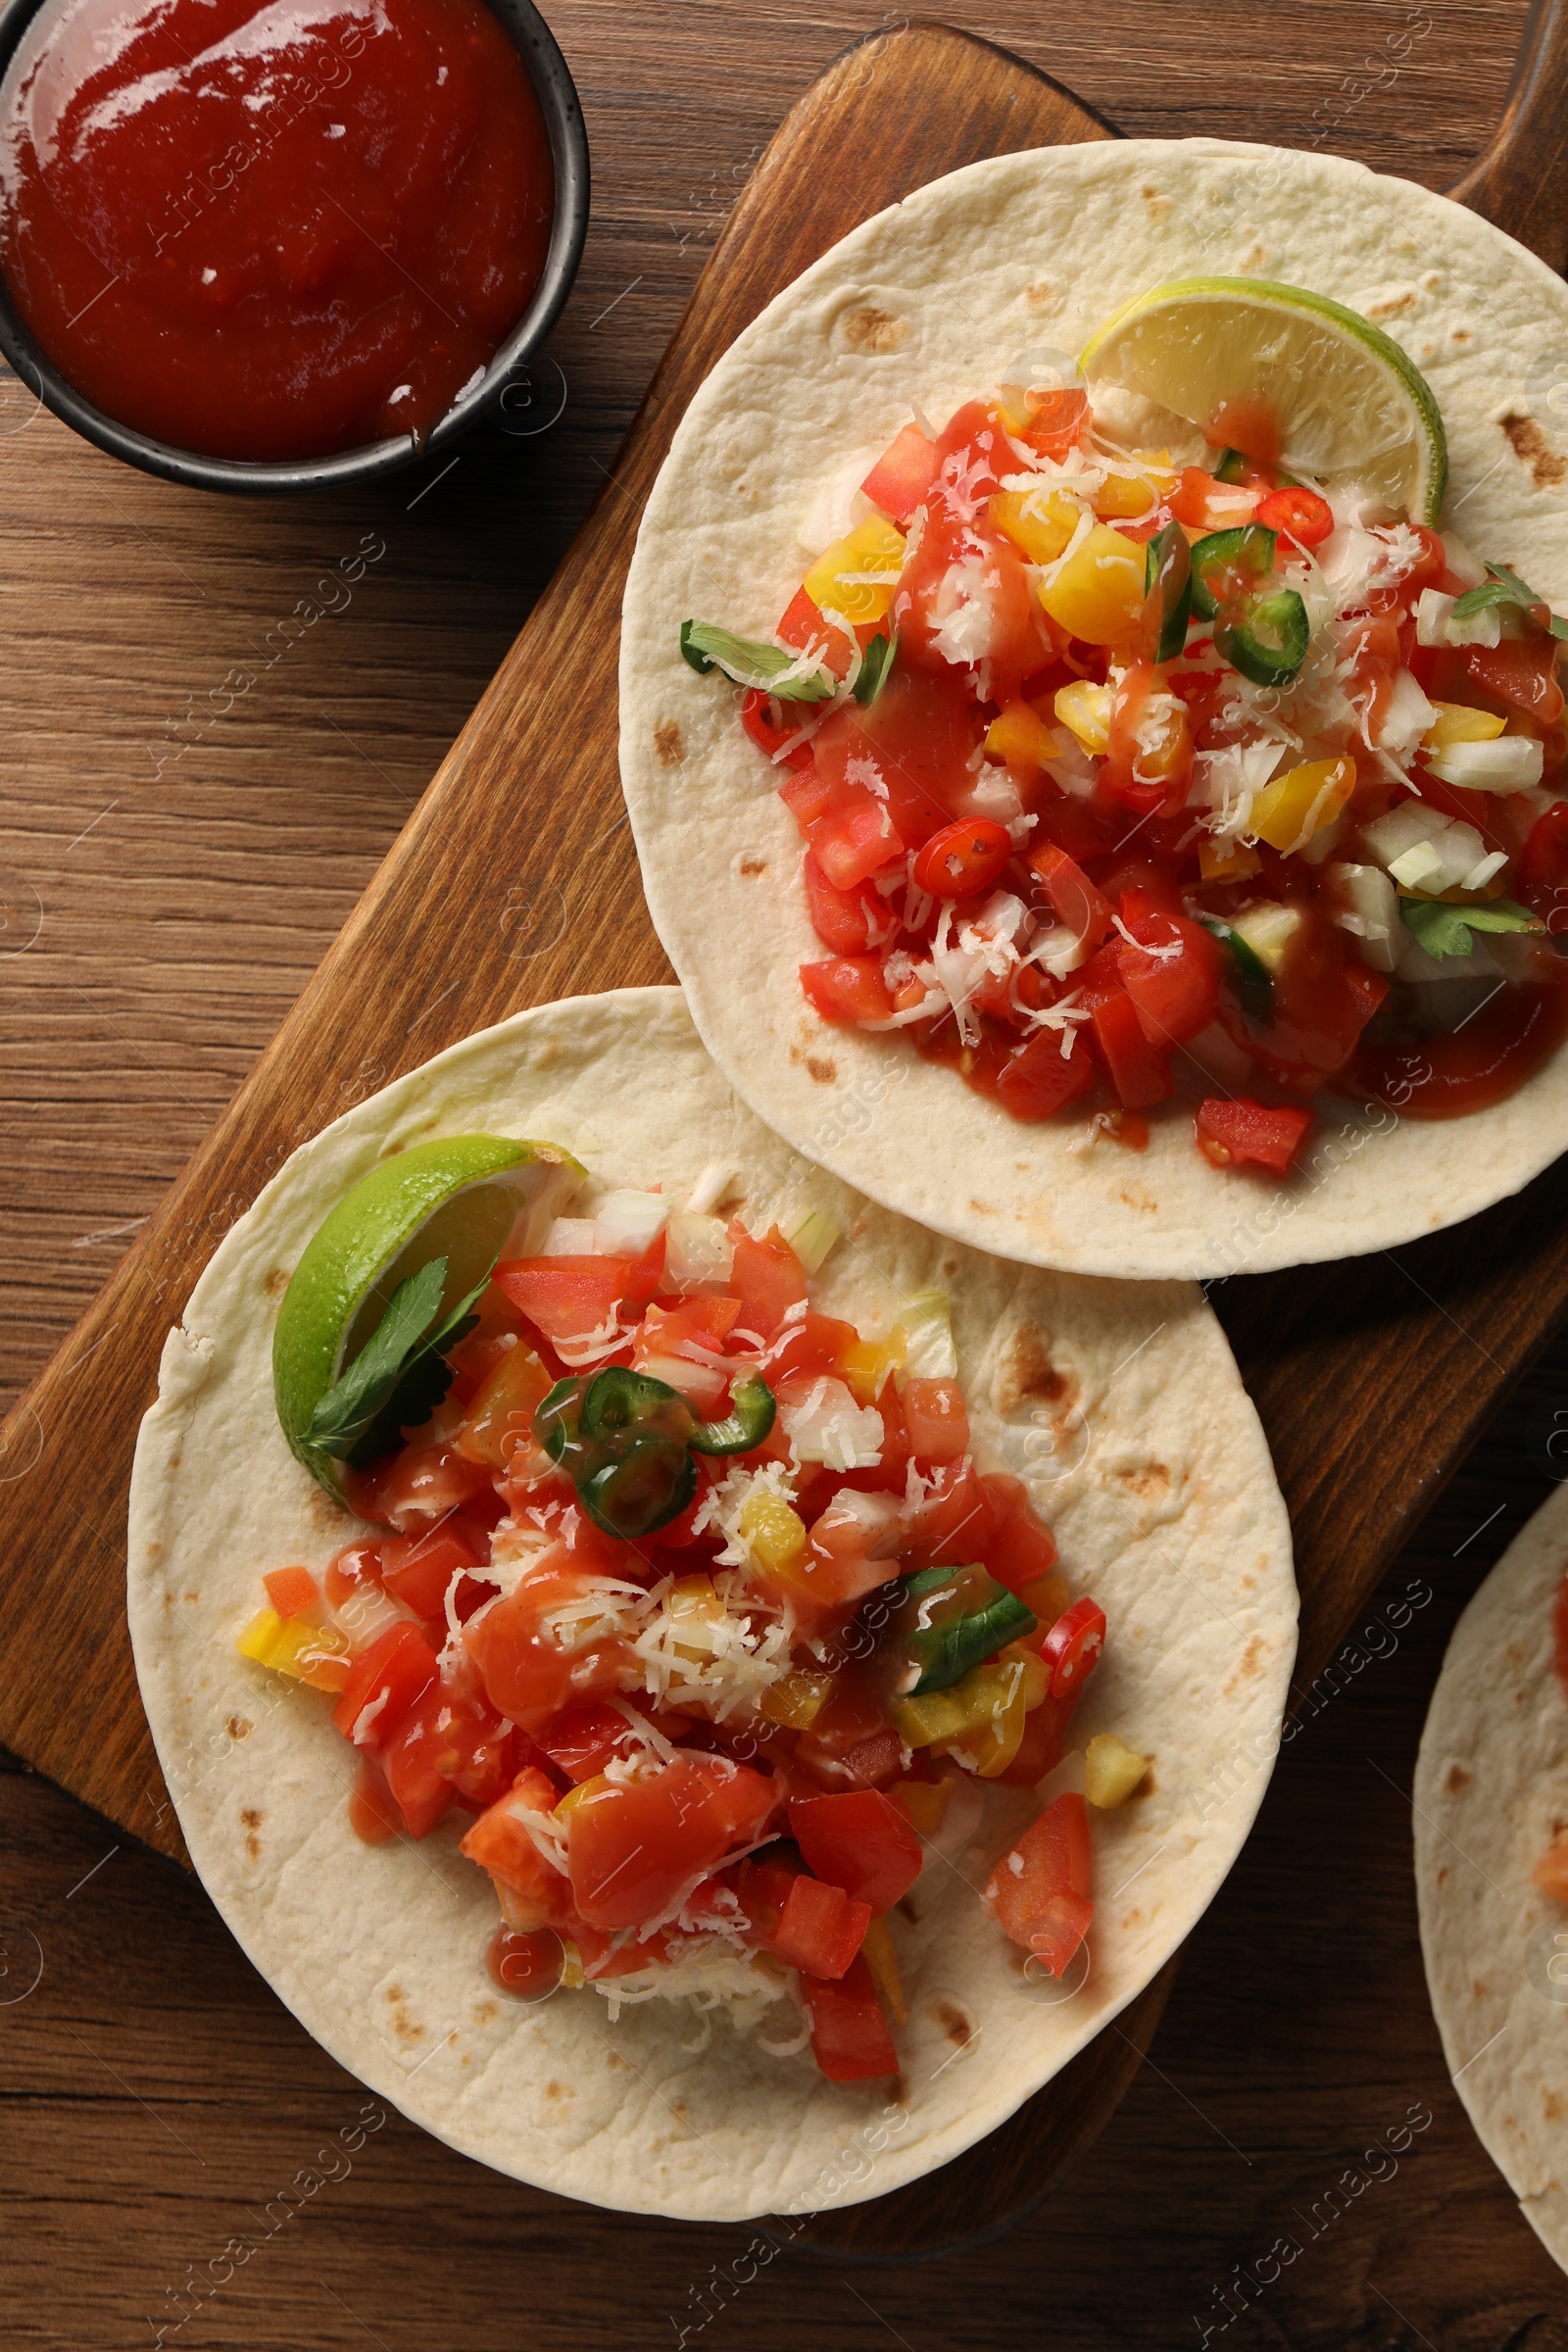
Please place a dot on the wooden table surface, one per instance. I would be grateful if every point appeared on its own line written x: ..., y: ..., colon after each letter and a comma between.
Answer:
x: 189, y: 815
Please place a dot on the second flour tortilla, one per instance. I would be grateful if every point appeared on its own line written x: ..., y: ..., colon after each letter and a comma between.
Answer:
x: 1118, y: 1402
x: 930, y: 304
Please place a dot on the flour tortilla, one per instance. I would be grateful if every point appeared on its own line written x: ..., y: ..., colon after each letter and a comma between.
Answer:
x: 929, y: 304
x: 1490, y: 1796
x: 1119, y: 1401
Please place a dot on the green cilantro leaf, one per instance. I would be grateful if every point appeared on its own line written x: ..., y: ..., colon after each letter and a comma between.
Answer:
x: 400, y: 1375
x: 1445, y: 929
x: 1505, y: 587
x: 750, y: 663
x: 875, y: 663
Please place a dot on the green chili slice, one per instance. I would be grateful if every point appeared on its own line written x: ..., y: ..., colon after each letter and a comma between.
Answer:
x: 1249, y: 975
x: 645, y: 1485
x: 1168, y: 590
x: 619, y: 1402
x: 751, y: 1415
x: 1232, y: 467
x: 1266, y: 639
x: 1247, y: 553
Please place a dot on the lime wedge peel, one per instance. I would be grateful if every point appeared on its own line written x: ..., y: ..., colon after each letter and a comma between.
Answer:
x: 467, y: 1197
x: 1351, y: 406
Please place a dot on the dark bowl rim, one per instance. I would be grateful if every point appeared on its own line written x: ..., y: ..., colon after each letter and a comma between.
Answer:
x: 558, y: 102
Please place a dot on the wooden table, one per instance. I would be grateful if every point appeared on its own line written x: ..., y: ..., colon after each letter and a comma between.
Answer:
x: 188, y: 822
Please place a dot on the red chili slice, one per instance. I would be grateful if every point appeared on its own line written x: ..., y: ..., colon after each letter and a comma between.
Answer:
x: 1298, y: 513
x: 962, y: 859
x: 1073, y: 1645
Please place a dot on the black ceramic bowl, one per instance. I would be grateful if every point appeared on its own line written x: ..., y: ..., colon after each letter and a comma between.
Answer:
x: 532, y: 37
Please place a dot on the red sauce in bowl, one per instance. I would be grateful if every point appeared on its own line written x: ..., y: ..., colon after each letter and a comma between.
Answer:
x: 272, y: 232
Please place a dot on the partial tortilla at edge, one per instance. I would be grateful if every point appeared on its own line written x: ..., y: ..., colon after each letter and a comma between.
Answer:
x: 1119, y: 1403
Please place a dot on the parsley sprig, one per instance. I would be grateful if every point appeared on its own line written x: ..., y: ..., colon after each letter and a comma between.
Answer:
x: 400, y: 1375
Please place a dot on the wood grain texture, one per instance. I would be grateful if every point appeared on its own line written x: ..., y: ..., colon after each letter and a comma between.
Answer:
x: 1519, y: 181
x: 174, y: 931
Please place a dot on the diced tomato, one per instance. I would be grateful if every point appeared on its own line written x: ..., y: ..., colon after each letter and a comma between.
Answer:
x: 1040, y: 1890
x: 903, y: 474
x: 935, y: 1419
x: 850, y: 2037
x: 962, y: 860
x: 416, y: 1487
x: 848, y: 989
x: 1040, y: 1750
x: 852, y: 1548
x: 971, y: 456
x: 860, y: 1840
x: 1544, y: 867
x: 1057, y: 420
x: 525, y: 1676
x: 499, y: 1415
x: 1301, y: 513
x: 1521, y: 674
x: 803, y: 624
x: 916, y: 738
x: 634, y: 1845
x: 820, y: 1928
x: 1037, y: 1079
x: 1231, y: 1133
x: 566, y: 1298
x: 849, y: 922
x: 1149, y: 758
x: 770, y: 724
x: 957, y: 1520
x: 767, y: 1278
x: 1021, y: 1551
x: 855, y: 838
x: 808, y: 796
x: 536, y: 1894
x: 373, y: 1812
x: 1174, y: 994
x: 417, y: 1569
x: 1073, y: 897
x: 355, y: 1565
x: 814, y: 1346
x: 581, y: 1739
x: 290, y: 1589
x: 385, y: 1684
x: 762, y: 1889
x: 1139, y: 1071
x: 411, y: 1762
x: 1071, y: 1649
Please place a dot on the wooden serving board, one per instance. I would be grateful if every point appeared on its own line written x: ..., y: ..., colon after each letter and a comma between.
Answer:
x: 1372, y: 1378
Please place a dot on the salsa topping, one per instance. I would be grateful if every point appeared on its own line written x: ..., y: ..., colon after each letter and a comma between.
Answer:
x: 1187, y: 783
x: 694, y: 1599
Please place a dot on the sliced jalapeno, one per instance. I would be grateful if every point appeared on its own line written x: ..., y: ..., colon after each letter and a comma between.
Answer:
x: 1168, y: 590
x: 751, y: 1415
x: 1247, y: 553
x: 641, y: 1488
x: 558, y: 1416
x: 1267, y: 639
x: 620, y: 1401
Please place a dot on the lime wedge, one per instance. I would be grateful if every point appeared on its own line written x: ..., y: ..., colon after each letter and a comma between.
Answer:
x: 1350, y: 404
x: 465, y: 1198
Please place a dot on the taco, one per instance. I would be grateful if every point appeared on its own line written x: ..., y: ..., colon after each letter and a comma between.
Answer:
x: 667, y: 1668
x: 1111, y: 807
x: 1491, y: 1802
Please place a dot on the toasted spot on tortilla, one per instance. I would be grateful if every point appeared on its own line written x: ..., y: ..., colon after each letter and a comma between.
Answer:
x: 154, y: 1548
x: 1041, y: 295
x: 670, y: 743
x: 613, y: 2058
x: 1443, y: 1872
x: 1550, y: 2106
x: 956, y: 2024
x: 1158, y: 204
x: 554, y: 2091
x: 1462, y: 334
x: 869, y: 329
x: 753, y: 866
x: 1147, y: 1478
x: 1139, y: 1201
x: 1026, y: 1374
x: 1455, y: 1779
x: 1147, y: 1784
x: 679, y: 2109
x: 1132, y: 1919
x: 251, y: 1817
x: 239, y: 1727
x: 276, y: 1282
x: 1254, y: 258
x: 982, y: 1208
x: 825, y: 1072
x: 1531, y: 446
x: 485, y: 2010
x: 322, y: 1508
x: 192, y: 1598
x: 253, y: 1822
x: 1392, y: 304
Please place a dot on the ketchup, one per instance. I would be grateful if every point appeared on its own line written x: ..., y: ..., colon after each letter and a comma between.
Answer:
x: 272, y: 232
x: 1502, y: 1042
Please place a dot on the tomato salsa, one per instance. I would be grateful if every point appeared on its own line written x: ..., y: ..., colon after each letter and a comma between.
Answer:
x: 272, y: 234
x: 1131, y: 787
x: 693, y: 1605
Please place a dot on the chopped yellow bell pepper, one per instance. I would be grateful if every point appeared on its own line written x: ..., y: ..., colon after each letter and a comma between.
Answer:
x: 1048, y: 1597
x: 308, y: 1653
x: 925, y: 1802
x: 1020, y: 736
x: 1227, y: 861
x: 882, y: 1961
x: 858, y: 574
x: 797, y: 1698
x: 581, y: 1795
x: 1098, y: 595
x: 1111, y: 1771
x: 1288, y: 812
x: 984, y: 1714
x: 866, y: 1366
x: 1457, y: 722
x: 774, y: 1535
x: 938, y: 1715
x: 1084, y: 709
x: 572, y: 1977
x: 1039, y: 522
